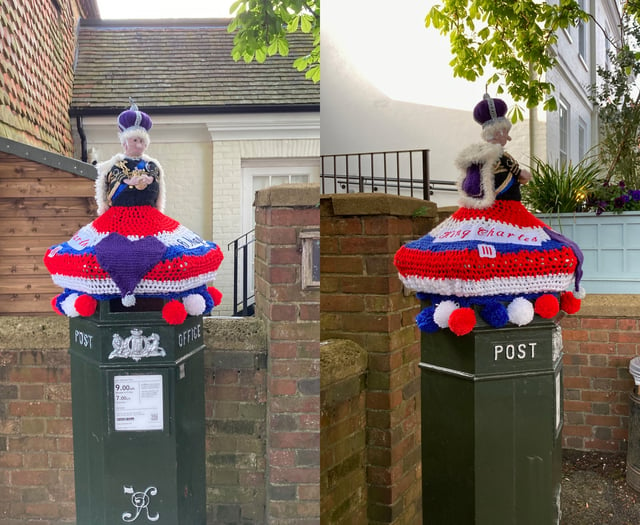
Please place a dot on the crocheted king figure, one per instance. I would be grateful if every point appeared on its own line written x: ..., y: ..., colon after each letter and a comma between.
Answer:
x: 132, y: 249
x: 492, y: 256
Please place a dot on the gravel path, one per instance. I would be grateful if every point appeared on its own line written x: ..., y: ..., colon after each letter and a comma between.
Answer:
x: 595, y: 491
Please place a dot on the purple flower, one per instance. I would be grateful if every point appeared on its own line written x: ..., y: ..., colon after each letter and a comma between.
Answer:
x: 635, y: 195
x: 621, y: 184
x: 619, y: 202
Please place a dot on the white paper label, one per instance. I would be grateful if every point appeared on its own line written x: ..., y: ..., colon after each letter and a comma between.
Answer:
x: 138, y: 402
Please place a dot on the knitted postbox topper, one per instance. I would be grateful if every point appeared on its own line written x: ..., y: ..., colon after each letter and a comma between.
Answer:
x: 492, y: 256
x: 132, y: 249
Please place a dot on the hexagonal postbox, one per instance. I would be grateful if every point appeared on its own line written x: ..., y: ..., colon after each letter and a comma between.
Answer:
x: 138, y: 417
x: 491, y: 425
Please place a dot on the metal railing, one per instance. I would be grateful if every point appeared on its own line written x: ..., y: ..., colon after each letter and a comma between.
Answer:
x: 243, y: 297
x: 404, y: 172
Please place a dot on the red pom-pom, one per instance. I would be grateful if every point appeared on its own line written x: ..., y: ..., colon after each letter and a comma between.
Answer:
x: 54, y: 305
x: 174, y: 312
x: 462, y: 321
x: 215, y: 294
x: 569, y: 303
x: 547, y: 306
x: 86, y: 305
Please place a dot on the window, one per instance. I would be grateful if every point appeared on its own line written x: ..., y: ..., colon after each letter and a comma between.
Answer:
x: 564, y: 133
x: 582, y: 139
x: 582, y: 35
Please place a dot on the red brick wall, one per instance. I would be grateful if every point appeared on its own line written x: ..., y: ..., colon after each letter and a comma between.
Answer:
x: 363, y: 301
x: 291, y: 314
x: 37, y: 47
x: 598, y: 345
x: 36, y: 446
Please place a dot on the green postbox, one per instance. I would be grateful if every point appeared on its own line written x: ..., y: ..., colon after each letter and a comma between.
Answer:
x: 491, y: 425
x: 138, y: 417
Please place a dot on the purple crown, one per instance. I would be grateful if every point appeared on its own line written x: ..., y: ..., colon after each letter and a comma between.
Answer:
x: 134, y: 118
x: 489, y: 110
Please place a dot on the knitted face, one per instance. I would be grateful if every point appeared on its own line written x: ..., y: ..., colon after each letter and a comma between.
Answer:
x: 134, y: 145
x: 497, y: 132
x: 499, y: 136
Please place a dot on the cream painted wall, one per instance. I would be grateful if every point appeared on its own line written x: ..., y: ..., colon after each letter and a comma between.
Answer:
x: 229, y: 194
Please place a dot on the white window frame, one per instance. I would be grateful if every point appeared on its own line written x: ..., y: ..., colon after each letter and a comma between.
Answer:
x: 582, y: 139
x: 564, y: 131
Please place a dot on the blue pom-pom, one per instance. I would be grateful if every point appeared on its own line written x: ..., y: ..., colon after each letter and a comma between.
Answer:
x: 495, y: 314
x: 425, y: 321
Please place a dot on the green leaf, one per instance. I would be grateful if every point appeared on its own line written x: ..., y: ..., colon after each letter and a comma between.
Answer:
x: 293, y: 24
x: 283, y: 46
x: 261, y: 55
x: 261, y: 27
x: 306, y: 23
x: 313, y: 74
x: 273, y: 48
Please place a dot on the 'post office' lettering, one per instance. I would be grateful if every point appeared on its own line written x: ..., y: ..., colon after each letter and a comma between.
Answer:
x: 83, y: 339
x: 514, y: 351
x: 188, y: 336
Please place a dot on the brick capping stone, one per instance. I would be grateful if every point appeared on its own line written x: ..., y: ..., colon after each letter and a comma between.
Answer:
x: 298, y: 195
x: 614, y: 305
x: 379, y: 204
x: 340, y: 358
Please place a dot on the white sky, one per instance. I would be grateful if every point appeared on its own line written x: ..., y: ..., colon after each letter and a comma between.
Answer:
x: 135, y: 9
x: 394, y: 50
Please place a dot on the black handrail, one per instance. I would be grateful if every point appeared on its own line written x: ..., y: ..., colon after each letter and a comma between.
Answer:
x: 401, y: 172
x: 246, y: 306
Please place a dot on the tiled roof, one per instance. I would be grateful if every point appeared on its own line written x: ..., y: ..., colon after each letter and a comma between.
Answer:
x: 179, y: 66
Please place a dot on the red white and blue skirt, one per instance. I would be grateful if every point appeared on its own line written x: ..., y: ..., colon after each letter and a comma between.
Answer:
x: 135, y: 251
x: 501, y: 261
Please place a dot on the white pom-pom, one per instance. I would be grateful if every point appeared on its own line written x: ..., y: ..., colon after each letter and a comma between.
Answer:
x: 520, y: 311
x: 581, y: 293
x: 68, y: 305
x: 129, y: 300
x: 442, y: 313
x: 194, y: 304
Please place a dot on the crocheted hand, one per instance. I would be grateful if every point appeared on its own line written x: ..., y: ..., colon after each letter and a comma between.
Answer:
x: 139, y: 179
x: 525, y: 176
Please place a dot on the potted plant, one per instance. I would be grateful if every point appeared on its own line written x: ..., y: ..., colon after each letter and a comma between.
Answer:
x: 577, y: 201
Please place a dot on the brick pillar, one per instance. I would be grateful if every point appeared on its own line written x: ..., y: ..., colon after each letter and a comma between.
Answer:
x: 363, y: 300
x: 285, y: 217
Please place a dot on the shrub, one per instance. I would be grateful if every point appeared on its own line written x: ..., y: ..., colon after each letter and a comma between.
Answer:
x: 560, y: 188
